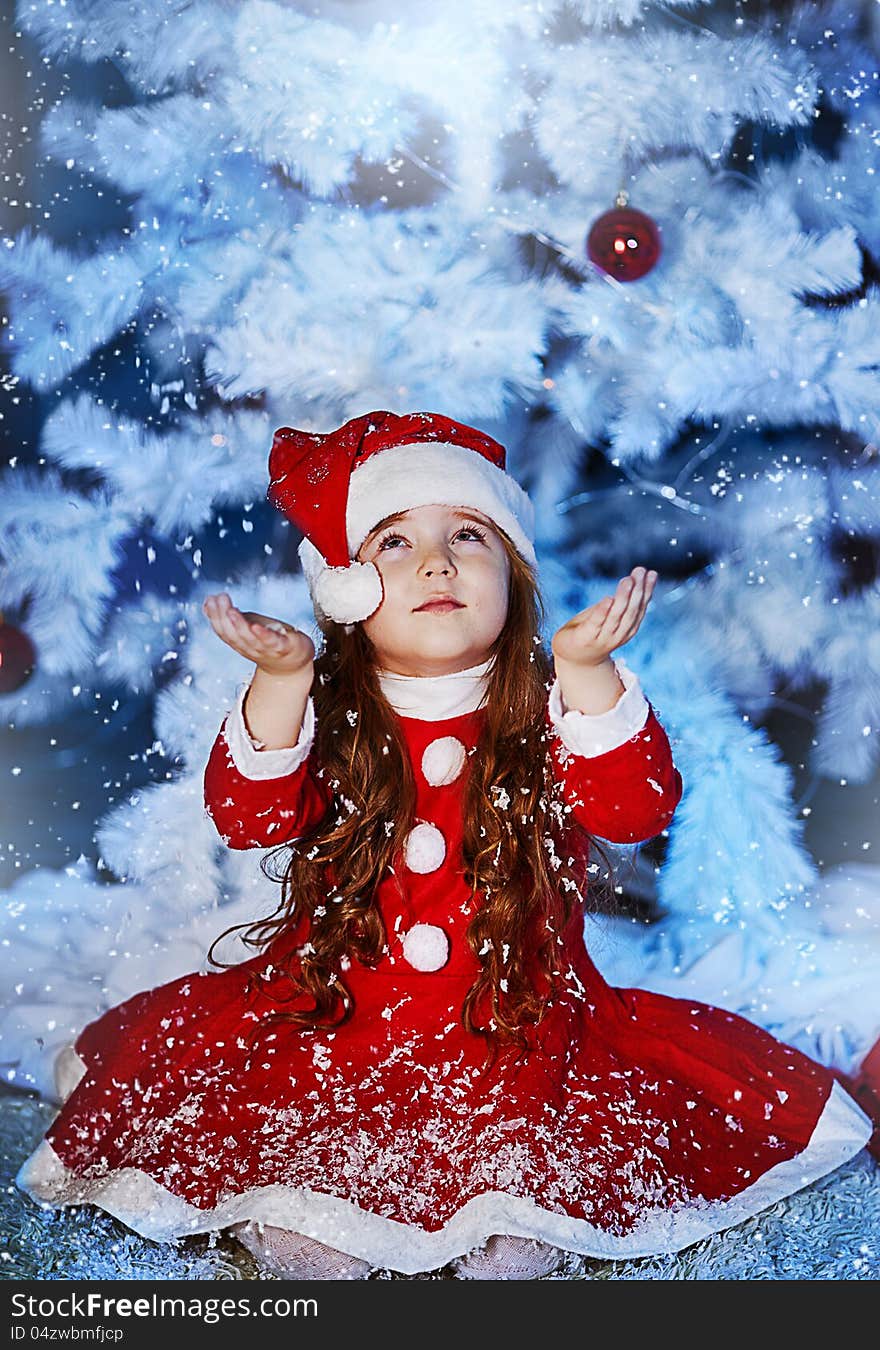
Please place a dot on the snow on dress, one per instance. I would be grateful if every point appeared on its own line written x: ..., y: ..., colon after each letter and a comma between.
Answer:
x: 638, y: 1122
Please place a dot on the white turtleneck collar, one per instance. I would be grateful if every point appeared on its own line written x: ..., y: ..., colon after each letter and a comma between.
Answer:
x: 432, y: 698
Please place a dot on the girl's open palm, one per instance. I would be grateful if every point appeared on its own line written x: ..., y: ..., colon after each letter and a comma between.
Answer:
x: 593, y: 634
x: 273, y: 645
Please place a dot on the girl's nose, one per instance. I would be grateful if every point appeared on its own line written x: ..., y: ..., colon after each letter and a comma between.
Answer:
x: 436, y: 559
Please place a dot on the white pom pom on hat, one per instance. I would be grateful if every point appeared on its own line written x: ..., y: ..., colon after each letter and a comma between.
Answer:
x: 347, y: 594
x: 337, y: 486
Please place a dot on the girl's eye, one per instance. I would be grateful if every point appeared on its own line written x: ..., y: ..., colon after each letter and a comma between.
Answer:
x: 388, y: 539
x: 465, y: 529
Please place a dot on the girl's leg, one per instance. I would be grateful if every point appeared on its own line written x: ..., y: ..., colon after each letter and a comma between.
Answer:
x: 294, y: 1257
x: 290, y: 1255
x: 508, y: 1258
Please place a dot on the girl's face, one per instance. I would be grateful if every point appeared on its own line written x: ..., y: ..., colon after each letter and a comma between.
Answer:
x: 426, y: 552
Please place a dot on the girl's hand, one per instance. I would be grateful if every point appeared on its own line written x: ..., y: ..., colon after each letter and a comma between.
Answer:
x: 274, y: 646
x: 589, y: 637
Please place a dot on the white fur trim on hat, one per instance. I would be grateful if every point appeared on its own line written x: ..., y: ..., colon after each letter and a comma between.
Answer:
x: 437, y: 473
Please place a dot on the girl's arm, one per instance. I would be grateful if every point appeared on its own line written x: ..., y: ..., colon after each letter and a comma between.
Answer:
x: 616, y: 766
x: 259, y: 797
x: 610, y: 752
x: 274, y: 707
x: 260, y: 786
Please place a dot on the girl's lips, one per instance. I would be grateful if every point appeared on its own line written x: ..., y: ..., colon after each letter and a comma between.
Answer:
x: 438, y: 607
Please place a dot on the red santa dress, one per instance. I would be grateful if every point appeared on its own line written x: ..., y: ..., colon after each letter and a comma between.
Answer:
x: 638, y: 1123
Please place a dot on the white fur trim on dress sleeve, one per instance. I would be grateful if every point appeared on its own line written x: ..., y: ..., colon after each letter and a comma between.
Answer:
x: 592, y: 734
x: 254, y: 762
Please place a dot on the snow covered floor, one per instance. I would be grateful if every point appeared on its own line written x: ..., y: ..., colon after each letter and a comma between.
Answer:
x: 831, y: 1231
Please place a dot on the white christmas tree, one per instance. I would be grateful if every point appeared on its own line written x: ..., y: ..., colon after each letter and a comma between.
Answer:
x: 337, y: 207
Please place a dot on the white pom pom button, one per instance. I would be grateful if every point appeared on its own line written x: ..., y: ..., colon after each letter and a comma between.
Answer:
x: 426, y: 947
x: 443, y: 760
x: 424, y: 849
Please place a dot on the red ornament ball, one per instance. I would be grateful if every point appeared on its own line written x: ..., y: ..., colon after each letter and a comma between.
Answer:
x: 624, y: 242
x: 17, y: 657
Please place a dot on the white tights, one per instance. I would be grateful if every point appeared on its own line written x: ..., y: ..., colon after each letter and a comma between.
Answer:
x: 292, y: 1256
x: 508, y: 1258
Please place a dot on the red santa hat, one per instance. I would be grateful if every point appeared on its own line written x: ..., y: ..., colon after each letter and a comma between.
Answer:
x: 337, y: 486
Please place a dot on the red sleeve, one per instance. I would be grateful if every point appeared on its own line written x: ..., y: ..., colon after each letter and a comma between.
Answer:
x: 627, y: 795
x: 254, y: 813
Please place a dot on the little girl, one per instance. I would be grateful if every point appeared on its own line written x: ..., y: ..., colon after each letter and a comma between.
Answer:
x: 421, y: 1065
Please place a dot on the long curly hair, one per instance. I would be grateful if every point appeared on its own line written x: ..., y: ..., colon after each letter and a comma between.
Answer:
x: 529, y: 865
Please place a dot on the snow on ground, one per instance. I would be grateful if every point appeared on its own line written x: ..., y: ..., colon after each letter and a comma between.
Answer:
x: 830, y: 1231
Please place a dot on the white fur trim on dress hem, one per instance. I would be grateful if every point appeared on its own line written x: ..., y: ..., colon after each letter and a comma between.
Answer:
x: 67, y: 1069
x: 146, y: 1207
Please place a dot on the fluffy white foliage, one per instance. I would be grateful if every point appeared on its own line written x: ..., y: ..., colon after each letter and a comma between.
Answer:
x: 733, y: 866
x: 176, y: 479
x: 828, y: 194
x: 161, y: 826
x: 135, y: 35
x: 847, y: 901
x: 590, y: 111
x: 624, y: 12
x: 397, y: 293
x: 696, y: 340
x: 140, y: 642
x: 159, y: 149
x: 774, y: 529
x: 300, y: 102
x: 64, y: 307
x: 719, y: 327
x: 853, y: 372
x: 813, y: 987
x: 855, y: 493
x: 71, y: 947
x: 848, y: 728
x: 310, y: 100
x: 59, y: 549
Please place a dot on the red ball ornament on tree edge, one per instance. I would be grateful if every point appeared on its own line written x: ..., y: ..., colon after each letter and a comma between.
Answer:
x: 17, y: 657
x: 624, y: 242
